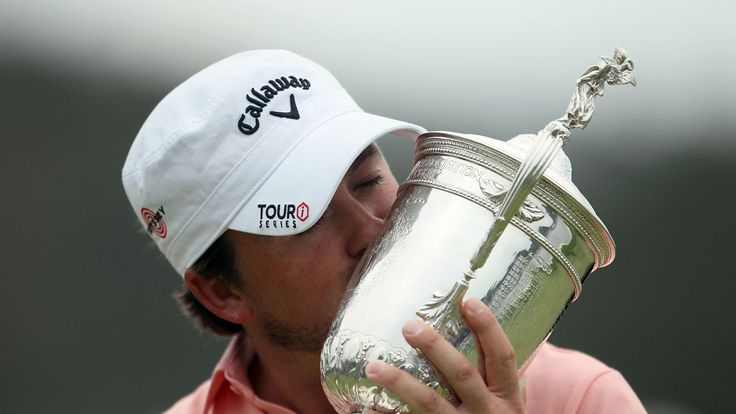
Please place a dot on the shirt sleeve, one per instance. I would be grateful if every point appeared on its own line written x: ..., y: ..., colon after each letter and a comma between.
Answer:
x: 610, y: 393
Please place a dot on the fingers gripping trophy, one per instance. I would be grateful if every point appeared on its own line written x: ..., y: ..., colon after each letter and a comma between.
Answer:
x: 476, y: 218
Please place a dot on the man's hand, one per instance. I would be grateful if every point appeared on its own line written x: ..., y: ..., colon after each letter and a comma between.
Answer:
x: 492, y: 389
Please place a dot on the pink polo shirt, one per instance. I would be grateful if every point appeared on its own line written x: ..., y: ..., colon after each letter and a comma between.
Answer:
x: 557, y: 381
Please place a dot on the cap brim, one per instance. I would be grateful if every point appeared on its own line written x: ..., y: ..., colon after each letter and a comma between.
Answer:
x: 296, y: 195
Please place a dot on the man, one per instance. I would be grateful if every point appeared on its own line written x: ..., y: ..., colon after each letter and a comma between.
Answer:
x: 259, y: 181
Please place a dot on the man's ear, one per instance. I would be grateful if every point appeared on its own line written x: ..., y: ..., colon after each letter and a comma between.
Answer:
x: 219, y: 297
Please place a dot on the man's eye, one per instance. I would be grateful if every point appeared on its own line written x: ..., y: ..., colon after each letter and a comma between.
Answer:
x: 372, y: 182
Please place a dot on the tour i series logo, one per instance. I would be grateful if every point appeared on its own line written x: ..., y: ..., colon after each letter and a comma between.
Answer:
x: 249, y: 121
x: 154, y: 221
x: 279, y: 216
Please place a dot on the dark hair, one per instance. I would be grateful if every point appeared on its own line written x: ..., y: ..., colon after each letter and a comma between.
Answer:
x: 218, y: 261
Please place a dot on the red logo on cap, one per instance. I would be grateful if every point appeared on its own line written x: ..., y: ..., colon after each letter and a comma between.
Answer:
x: 302, y: 211
x: 154, y: 221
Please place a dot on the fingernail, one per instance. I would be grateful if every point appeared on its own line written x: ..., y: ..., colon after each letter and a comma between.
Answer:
x: 412, y: 328
x: 475, y: 307
x: 373, y: 368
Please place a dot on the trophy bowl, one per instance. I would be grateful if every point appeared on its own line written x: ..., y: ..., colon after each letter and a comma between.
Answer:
x: 441, y: 215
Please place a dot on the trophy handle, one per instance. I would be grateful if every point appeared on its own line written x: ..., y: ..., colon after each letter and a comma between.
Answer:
x: 443, y: 311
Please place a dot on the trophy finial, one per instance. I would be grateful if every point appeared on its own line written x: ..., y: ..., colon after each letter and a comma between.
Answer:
x: 614, y: 71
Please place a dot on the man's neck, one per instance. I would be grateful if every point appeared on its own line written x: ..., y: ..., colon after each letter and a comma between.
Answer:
x: 288, y: 378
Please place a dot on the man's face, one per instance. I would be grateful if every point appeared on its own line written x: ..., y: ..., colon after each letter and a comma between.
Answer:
x: 295, y: 283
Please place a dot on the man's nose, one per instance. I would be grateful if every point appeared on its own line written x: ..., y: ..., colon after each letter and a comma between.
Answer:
x: 365, y: 224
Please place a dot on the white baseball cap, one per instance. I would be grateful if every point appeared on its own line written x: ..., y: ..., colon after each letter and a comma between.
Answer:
x: 257, y: 142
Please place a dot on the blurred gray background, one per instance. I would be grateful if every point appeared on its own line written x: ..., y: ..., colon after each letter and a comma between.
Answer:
x: 87, y: 324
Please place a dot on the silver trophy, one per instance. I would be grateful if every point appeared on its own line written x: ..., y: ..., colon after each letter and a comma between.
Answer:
x: 447, y: 237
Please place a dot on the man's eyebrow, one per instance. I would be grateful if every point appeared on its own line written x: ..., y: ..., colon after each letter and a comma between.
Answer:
x: 367, y: 153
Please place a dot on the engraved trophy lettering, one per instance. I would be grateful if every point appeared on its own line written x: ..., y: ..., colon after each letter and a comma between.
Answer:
x: 506, y: 217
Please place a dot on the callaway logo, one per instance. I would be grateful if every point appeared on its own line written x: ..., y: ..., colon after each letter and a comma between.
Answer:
x: 275, y: 216
x: 155, y: 221
x: 260, y: 100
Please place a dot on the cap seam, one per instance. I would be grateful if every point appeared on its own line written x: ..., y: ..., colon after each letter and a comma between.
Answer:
x: 200, y: 119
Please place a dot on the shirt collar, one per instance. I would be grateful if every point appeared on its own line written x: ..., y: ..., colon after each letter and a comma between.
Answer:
x: 232, y: 371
